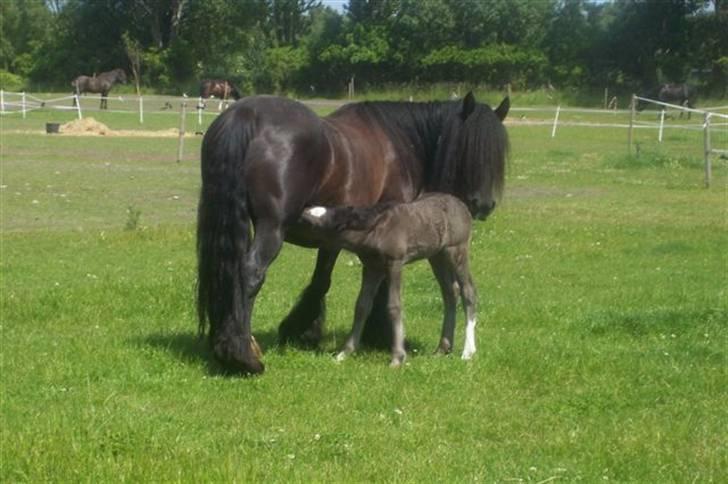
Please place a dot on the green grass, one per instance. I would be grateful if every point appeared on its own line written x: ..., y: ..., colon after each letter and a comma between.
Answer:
x: 601, y: 343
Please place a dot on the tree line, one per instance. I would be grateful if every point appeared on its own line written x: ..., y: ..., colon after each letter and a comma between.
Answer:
x: 305, y: 46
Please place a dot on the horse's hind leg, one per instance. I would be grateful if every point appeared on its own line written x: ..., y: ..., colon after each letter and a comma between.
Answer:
x: 459, y: 258
x: 371, y: 279
x: 306, y: 320
x: 442, y: 268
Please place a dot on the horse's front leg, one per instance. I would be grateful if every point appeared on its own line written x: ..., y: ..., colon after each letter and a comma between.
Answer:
x: 394, y: 308
x: 305, y: 322
x: 372, y: 277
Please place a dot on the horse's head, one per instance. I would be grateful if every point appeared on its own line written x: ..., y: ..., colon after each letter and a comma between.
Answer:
x: 121, y: 76
x: 471, y: 155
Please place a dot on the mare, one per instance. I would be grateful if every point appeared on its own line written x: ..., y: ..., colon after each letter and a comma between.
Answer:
x: 385, y: 237
x: 98, y: 84
x: 679, y: 94
x: 219, y: 88
x: 266, y: 158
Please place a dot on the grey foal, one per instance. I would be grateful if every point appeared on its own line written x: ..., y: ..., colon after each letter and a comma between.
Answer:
x: 385, y: 237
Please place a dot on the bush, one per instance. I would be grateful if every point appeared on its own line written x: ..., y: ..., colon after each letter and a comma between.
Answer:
x: 11, y: 82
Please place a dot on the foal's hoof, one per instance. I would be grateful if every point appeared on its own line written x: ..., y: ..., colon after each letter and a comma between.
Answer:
x: 397, y: 361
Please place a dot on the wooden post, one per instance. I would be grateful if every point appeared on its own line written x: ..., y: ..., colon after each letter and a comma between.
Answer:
x: 556, y: 121
x: 181, y: 141
x: 606, y: 97
x: 2, y: 101
x: 200, y: 106
x: 707, y: 150
x: 631, y: 124
x: 22, y: 101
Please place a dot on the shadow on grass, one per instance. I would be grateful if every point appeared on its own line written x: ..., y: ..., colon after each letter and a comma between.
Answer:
x: 190, y: 348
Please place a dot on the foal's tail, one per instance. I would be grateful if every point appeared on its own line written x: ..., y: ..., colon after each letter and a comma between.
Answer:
x: 223, y: 221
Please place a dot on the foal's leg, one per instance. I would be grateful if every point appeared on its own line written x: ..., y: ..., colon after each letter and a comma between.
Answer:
x: 442, y: 268
x: 372, y: 277
x: 460, y: 266
x: 394, y: 309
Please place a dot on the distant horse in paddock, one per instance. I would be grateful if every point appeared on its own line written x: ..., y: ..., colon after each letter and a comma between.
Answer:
x: 266, y: 158
x: 100, y: 84
x: 218, y: 88
x: 678, y: 94
x: 385, y: 237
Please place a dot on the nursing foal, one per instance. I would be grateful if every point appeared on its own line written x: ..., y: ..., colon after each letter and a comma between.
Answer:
x: 387, y: 236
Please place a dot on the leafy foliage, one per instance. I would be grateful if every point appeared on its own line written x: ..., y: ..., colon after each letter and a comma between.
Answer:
x: 305, y: 46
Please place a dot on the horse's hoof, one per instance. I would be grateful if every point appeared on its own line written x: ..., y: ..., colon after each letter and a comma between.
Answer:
x: 444, y: 348
x: 341, y: 356
x: 238, y: 362
x: 397, y: 361
x: 467, y: 355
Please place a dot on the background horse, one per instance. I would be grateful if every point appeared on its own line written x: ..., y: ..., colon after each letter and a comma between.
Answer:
x: 219, y: 88
x: 267, y: 158
x: 98, y: 84
x: 437, y: 227
x: 679, y: 94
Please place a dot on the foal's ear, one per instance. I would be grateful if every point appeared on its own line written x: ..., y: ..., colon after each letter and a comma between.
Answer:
x: 502, y: 110
x: 468, y: 106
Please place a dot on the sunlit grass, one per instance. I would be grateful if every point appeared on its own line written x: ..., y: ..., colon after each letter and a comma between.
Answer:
x: 601, y: 338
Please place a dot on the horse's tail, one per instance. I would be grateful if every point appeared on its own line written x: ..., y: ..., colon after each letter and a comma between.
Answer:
x: 223, y: 220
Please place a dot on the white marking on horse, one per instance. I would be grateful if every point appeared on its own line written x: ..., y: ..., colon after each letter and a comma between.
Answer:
x: 317, y: 211
x: 469, y: 349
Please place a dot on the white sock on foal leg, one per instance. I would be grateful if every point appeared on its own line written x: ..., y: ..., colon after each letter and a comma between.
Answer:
x: 469, y: 349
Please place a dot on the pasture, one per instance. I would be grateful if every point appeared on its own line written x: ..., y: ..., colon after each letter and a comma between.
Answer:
x: 603, y: 313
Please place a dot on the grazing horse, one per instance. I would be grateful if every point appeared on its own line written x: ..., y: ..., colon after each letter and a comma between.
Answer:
x: 679, y: 94
x: 266, y: 158
x: 219, y: 88
x: 98, y: 84
x: 385, y: 237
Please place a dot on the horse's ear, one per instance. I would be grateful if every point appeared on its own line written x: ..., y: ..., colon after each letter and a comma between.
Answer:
x: 502, y: 110
x: 468, y: 106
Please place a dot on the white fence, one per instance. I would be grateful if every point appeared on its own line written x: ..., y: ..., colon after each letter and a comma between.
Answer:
x: 21, y: 103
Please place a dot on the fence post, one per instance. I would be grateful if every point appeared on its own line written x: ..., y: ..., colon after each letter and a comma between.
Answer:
x: 199, y: 111
x: 78, y: 106
x: 556, y: 121
x: 181, y: 141
x: 707, y: 149
x: 2, y: 101
x: 606, y: 97
x: 662, y: 125
x: 631, y: 124
x: 22, y: 103
x: 141, y: 109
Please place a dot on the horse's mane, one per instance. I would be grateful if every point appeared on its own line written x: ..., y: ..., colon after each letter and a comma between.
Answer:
x: 476, y: 148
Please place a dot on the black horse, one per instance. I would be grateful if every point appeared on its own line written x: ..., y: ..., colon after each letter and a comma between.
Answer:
x: 265, y: 159
x: 678, y: 94
x: 98, y: 84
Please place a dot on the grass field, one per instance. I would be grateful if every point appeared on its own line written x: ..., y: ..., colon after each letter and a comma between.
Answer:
x: 602, y: 338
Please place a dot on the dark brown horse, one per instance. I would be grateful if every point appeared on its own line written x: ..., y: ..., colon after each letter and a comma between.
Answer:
x: 265, y: 159
x: 385, y: 237
x: 100, y: 84
x: 678, y: 94
x: 219, y: 88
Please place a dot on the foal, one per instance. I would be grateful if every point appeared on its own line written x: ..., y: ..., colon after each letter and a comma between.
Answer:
x: 385, y: 237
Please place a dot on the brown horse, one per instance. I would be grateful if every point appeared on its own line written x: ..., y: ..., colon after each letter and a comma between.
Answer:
x: 435, y: 227
x: 100, y: 84
x: 219, y: 88
x: 266, y: 158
